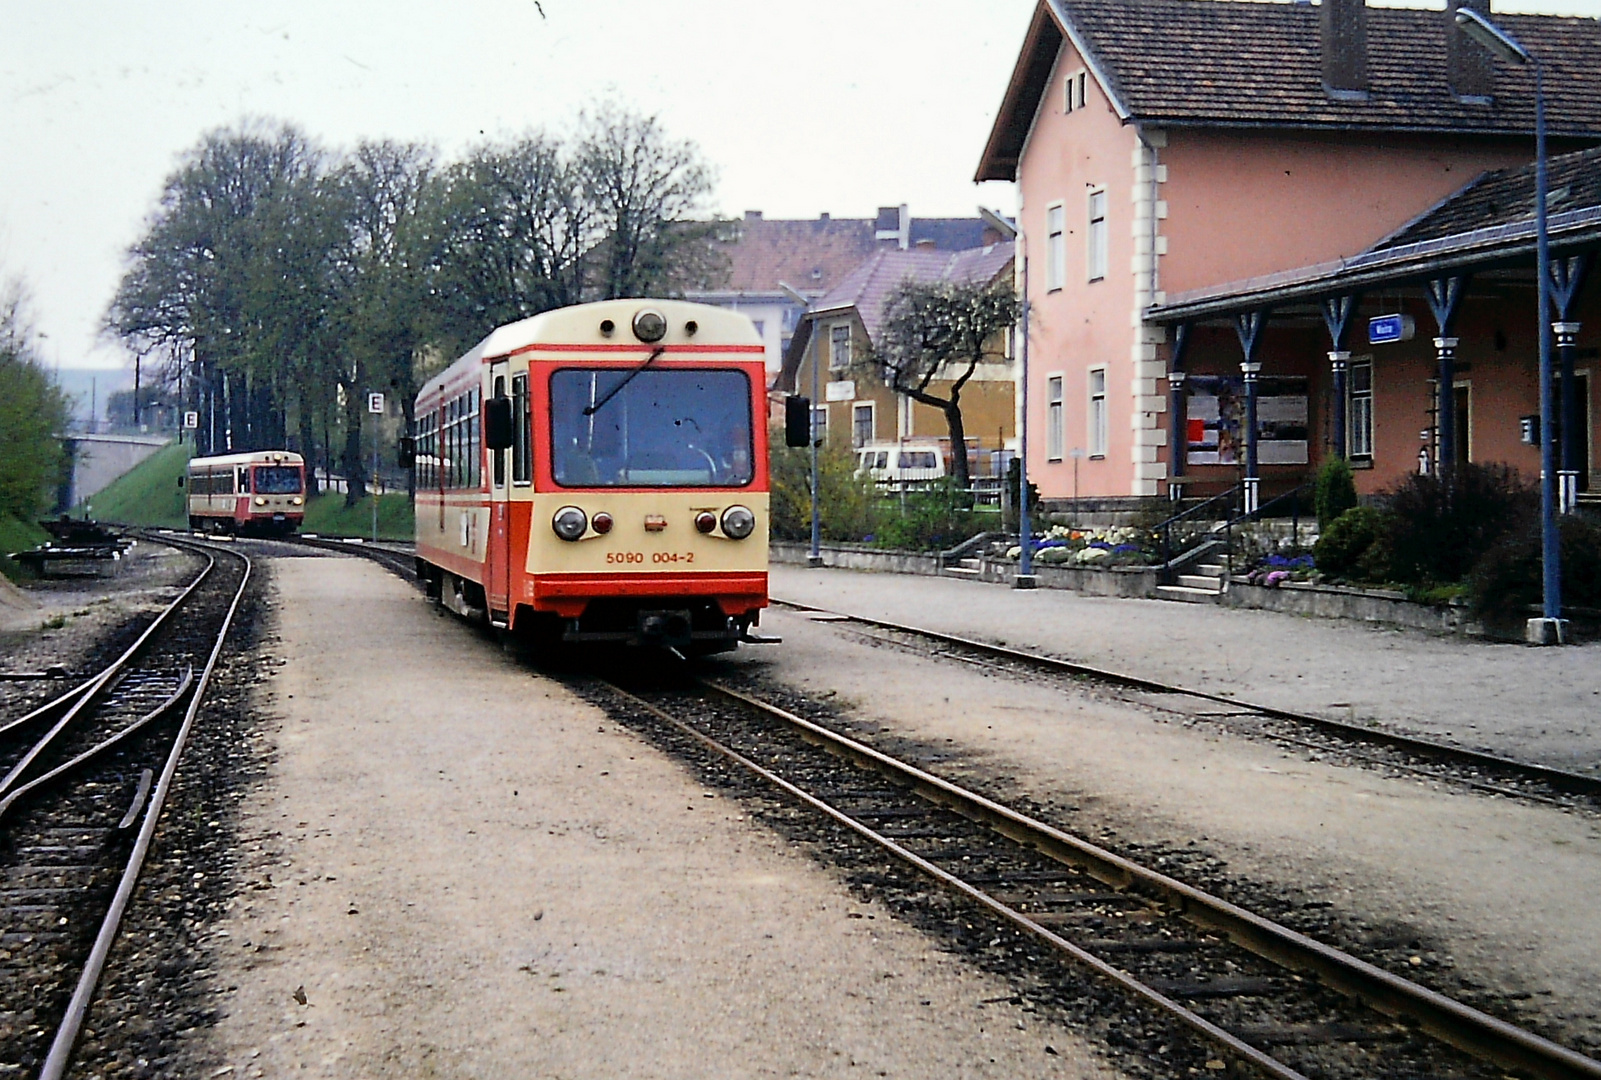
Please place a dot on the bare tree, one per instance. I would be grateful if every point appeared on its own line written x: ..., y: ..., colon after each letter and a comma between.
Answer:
x: 934, y: 337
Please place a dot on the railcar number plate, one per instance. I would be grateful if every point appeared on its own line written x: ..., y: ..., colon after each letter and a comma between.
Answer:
x: 657, y: 557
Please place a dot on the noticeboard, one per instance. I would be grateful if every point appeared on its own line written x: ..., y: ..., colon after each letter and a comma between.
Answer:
x: 1216, y: 420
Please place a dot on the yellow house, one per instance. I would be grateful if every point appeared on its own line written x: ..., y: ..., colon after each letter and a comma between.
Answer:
x: 853, y: 404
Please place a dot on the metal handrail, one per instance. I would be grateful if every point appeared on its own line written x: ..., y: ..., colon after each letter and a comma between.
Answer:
x: 1230, y: 497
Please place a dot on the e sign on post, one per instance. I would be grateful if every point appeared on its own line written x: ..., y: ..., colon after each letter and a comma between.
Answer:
x: 375, y: 403
x: 191, y: 420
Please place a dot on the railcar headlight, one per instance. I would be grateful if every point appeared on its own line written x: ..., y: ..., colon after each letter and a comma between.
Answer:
x: 738, y: 522
x: 296, y: 501
x: 601, y: 523
x: 705, y: 521
x: 570, y: 523
x: 260, y: 501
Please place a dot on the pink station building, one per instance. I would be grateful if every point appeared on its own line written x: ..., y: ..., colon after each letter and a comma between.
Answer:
x: 1217, y: 198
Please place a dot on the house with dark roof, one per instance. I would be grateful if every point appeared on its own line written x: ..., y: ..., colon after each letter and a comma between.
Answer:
x: 813, y: 255
x: 1168, y: 151
x: 836, y: 336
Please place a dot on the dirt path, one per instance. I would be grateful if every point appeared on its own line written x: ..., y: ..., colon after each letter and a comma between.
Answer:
x: 471, y: 873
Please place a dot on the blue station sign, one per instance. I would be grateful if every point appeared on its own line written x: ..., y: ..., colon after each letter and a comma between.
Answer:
x: 1388, y: 329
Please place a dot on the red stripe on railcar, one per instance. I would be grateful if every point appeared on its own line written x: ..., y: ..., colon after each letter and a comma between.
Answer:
x: 737, y: 592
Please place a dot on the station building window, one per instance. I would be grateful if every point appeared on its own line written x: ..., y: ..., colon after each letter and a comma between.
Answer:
x: 1055, y: 247
x: 1097, y: 235
x: 1097, y: 417
x: 1055, y: 436
x: 1359, y: 410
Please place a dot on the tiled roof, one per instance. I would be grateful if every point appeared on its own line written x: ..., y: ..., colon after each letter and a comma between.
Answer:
x: 1507, y: 195
x: 814, y: 254
x: 866, y: 289
x: 1252, y: 64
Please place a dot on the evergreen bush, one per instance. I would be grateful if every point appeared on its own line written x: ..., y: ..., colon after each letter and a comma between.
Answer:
x: 1343, y: 550
x: 1508, y: 578
x: 1439, y: 528
x: 1335, y: 492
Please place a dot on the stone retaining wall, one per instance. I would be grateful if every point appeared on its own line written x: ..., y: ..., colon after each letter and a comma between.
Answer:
x: 1133, y: 582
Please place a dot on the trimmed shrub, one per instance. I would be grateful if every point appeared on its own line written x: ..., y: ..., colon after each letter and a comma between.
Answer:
x: 1509, y: 577
x: 1335, y: 492
x: 1439, y: 529
x: 1342, y: 551
x: 934, y: 519
x: 845, y: 501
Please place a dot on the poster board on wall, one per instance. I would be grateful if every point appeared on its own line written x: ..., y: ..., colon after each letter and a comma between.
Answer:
x: 1216, y: 420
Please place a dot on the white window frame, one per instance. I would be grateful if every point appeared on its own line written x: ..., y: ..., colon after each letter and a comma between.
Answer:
x: 819, y: 422
x: 1055, y: 246
x: 1359, y: 425
x: 1096, y: 235
x: 1055, y: 416
x: 1073, y: 90
x: 835, y: 363
x: 872, y: 421
x: 1098, y: 426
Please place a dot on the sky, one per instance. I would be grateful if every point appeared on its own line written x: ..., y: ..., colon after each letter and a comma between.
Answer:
x: 835, y: 106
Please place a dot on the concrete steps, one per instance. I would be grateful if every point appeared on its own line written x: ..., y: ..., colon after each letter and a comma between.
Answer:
x: 1202, y: 587
x: 968, y: 568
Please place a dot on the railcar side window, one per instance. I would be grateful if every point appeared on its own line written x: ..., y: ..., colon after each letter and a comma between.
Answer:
x: 673, y: 427
x: 522, y: 436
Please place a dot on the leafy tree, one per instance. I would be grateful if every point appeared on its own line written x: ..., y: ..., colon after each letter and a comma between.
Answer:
x: 643, y: 191
x: 33, y: 414
x: 941, y: 331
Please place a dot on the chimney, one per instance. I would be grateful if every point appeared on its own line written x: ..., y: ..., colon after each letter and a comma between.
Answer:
x: 1343, y: 41
x: 1467, y: 63
x: 753, y: 215
x: 925, y: 244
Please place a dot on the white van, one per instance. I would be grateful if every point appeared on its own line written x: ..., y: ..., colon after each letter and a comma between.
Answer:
x: 900, y: 463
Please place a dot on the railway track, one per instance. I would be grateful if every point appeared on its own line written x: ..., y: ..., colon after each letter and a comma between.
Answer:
x: 85, y: 779
x: 1256, y: 994
x: 1426, y: 757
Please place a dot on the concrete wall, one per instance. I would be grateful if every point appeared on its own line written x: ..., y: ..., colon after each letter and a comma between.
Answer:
x: 100, y: 459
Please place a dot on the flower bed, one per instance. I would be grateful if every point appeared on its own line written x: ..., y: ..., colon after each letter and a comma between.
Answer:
x: 1063, y: 545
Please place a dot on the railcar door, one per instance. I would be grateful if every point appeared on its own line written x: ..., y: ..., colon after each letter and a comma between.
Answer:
x: 497, y: 554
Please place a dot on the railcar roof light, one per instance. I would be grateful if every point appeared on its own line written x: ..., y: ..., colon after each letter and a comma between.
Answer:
x: 738, y: 522
x: 650, y: 326
x: 570, y: 523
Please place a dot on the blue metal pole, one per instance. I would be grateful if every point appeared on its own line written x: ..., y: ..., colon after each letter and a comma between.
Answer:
x: 1250, y: 370
x: 1550, y: 551
x: 1025, y: 558
x: 815, y: 557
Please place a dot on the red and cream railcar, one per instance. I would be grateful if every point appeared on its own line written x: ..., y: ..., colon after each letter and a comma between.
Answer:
x: 599, y: 473
x: 259, y: 492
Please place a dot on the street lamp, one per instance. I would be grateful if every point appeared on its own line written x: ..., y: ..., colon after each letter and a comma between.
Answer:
x: 1549, y: 629
x: 815, y: 556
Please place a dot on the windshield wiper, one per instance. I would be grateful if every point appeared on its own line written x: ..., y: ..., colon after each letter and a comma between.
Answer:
x: 614, y: 391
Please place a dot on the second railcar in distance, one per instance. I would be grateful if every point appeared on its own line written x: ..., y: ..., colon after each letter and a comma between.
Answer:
x: 599, y: 474
x: 259, y: 492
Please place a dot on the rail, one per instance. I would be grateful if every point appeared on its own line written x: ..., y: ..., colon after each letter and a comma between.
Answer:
x: 1365, y: 986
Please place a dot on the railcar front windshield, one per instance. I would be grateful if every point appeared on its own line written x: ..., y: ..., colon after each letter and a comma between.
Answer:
x: 277, y: 480
x: 667, y: 427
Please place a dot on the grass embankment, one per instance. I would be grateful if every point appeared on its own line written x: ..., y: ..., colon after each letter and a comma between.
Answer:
x: 147, y: 494
x: 327, y: 515
x: 17, y: 536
